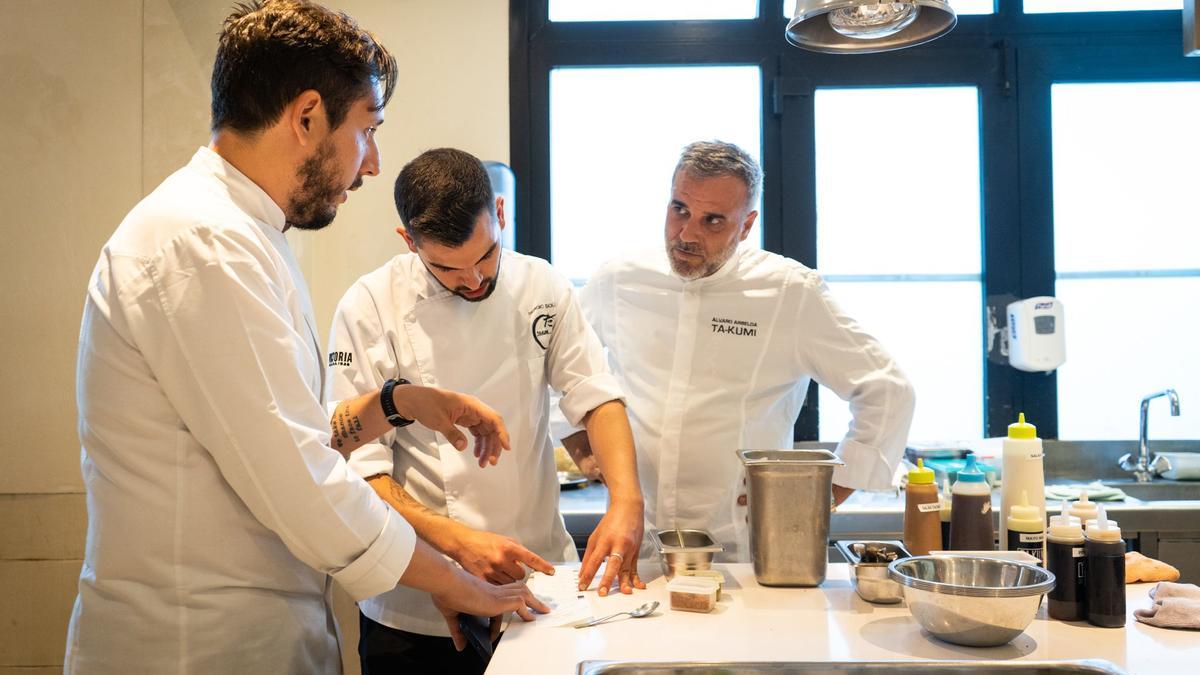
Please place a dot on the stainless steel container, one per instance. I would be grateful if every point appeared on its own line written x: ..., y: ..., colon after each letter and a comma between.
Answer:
x: 870, y: 578
x: 684, y: 550
x: 790, y: 494
x: 977, y: 602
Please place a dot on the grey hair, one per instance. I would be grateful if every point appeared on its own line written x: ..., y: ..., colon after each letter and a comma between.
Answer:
x: 710, y: 159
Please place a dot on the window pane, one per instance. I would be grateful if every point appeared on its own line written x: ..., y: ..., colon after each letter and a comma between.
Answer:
x: 615, y: 136
x: 1125, y: 176
x: 961, y: 7
x: 898, y: 237
x: 933, y: 330
x: 1127, y: 338
x: 655, y: 10
x: 888, y: 189
x: 1048, y: 6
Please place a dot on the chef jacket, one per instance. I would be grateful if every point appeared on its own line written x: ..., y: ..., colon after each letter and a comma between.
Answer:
x: 400, y: 322
x: 723, y: 363
x: 216, y: 507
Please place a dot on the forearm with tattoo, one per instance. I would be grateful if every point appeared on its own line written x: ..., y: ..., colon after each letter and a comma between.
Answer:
x: 433, y: 527
x: 346, y: 427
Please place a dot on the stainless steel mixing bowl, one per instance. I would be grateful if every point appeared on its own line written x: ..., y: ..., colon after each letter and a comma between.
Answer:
x: 977, y: 602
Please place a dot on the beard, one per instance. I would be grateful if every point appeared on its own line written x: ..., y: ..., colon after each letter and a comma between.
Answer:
x: 489, y: 283
x: 690, y: 268
x: 314, y: 203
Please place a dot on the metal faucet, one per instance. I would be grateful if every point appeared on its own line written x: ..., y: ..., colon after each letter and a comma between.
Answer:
x: 1145, y: 467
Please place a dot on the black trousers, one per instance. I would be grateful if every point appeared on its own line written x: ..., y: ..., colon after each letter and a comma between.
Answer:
x: 383, y: 650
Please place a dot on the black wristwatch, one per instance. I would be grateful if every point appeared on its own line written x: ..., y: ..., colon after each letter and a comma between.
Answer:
x: 389, y: 406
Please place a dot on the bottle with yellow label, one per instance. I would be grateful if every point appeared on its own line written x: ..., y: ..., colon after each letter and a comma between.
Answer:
x: 1021, y: 472
x: 922, y: 524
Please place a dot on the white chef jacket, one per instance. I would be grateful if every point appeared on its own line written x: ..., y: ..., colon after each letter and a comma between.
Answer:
x: 723, y: 363
x: 399, y: 322
x: 216, y: 507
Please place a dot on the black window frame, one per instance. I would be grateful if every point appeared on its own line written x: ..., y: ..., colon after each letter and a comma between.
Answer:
x: 1012, y: 57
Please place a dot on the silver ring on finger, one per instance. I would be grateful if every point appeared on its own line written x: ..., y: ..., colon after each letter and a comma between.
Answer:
x: 618, y: 555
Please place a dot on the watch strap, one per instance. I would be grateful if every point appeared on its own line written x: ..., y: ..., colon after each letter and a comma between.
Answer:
x: 389, y: 406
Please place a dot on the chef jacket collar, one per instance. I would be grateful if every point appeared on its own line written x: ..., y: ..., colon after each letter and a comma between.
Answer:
x: 244, y: 192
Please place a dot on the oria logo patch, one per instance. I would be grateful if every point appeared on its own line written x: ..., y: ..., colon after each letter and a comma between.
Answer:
x: 341, y: 358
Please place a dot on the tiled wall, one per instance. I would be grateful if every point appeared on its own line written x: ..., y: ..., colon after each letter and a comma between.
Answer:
x: 104, y: 100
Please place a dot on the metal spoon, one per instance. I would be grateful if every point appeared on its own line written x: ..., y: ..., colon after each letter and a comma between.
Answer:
x: 644, y: 610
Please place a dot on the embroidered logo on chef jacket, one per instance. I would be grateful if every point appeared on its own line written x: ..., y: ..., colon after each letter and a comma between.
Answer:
x: 735, y: 327
x: 340, y: 358
x: 542, y: 325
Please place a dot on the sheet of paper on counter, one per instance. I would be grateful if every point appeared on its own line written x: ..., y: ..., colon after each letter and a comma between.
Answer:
x: 568, y: 604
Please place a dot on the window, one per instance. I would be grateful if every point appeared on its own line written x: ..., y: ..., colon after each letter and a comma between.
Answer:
x: 656, y: 10
x: 1031, y: 153
x: 1054, y: 6
x: 1127, y: 253
x: 960, y: 7
x: 616, y: 134
x: 898, y: 241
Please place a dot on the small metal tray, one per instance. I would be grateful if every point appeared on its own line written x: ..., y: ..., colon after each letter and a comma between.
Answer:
x: 870, y: 579
x: 685, y: 550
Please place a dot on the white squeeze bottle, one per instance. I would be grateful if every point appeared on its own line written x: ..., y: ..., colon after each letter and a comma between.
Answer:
x: 1021, y: 472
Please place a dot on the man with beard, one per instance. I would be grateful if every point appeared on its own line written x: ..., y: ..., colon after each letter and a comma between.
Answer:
x: 219, y: 514
x: 715, y: 344
x: 459, y: 312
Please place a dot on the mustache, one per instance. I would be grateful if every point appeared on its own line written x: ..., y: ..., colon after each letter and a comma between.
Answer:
x: 687, y: 246
x: 357, y: 183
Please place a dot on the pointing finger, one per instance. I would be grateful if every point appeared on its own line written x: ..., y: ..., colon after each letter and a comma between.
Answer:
x: 534, y: 561
x: 534, y: 602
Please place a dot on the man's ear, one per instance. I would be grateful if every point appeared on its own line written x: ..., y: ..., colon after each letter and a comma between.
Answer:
x: 412, y: 246
x: 500, y: 211
x: 747, y: 224
x: 306, y: 117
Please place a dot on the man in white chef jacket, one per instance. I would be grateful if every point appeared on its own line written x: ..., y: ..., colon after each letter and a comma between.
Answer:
x: 459, y: 312
x: 715, y: 343
x: 218, y: 512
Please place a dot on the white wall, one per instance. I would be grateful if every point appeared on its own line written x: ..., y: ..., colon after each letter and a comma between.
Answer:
x: 103, y: 100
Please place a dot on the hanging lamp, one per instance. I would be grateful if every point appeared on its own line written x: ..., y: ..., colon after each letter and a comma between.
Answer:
x: 866, y: 26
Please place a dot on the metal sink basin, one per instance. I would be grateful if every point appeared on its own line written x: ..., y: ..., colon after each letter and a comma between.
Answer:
x: 1158, y: 490
x: 843, y: 668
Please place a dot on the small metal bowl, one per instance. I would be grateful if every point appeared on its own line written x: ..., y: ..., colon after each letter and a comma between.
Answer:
x: 977, y: 602
x: 685, y: 550
x: 870, y: 579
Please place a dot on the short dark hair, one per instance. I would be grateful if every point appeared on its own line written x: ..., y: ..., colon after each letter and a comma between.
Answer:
x: 440, y: 195
x: 272, y: 50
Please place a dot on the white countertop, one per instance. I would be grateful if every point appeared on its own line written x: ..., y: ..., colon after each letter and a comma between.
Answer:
x: 828, y: 623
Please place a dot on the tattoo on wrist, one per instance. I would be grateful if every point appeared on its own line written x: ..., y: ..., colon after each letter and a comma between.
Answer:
x: 346, y: 426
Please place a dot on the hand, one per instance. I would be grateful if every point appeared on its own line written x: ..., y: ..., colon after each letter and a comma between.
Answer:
x: 494, y: 557
x: 444, y: 411
x: 617, y: 539
x: 580, y: 450
x: 475, y: 596
x: 841, y: 494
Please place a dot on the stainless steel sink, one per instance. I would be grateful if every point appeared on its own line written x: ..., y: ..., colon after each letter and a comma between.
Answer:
x: 844, y: 667
x: 1158, y: 490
